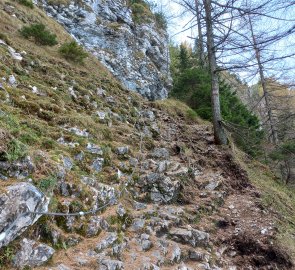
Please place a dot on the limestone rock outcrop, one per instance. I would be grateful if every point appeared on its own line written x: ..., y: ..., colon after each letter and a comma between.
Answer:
x: 136, y: 53
x: 15, y: 201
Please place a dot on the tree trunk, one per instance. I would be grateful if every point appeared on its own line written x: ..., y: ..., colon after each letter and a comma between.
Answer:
x: 274, y: 135
x: 219, y: 133
x: 200, y: 36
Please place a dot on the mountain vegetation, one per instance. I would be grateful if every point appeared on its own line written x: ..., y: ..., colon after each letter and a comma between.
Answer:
x: 192, y: 85
x: 95, y: 176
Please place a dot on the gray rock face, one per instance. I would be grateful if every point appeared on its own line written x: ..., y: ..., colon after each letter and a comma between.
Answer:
x: 137, y: 54
x: 190, y: 236
x: 14, y: 202
x: 32, y: 254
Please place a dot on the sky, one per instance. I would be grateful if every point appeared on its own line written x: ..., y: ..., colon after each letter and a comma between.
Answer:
x: 177, y: 20
x: 180, y: 20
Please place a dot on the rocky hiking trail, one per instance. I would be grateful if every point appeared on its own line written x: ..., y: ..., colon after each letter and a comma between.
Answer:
x: 192, y: 208
x: 78, y: 140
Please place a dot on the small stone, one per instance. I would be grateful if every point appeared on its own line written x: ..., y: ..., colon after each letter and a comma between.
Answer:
x: 108, y: 241
x: 100, y: 92
x: 94, y: 149
x: 121, y: 210
x: 14, y: 54
x: 212, y: 185
x: 94, y: 226
x: 176, y: 254
x: 139, y: 206
x: 35, y: 90
x: 146, y: 245
x: 78, y: 132
x: 110, y: 100
x: 162, y: 166
x: 3, y: 177
x: 123, y: 150
x: 72, y: 92
x: 97, y: 164
x: 107, y: 264
x: 144, y: 236
x: 80, y: 156
x: 138, y: 224
x: 68, y: 163
x: 133, y: 162
x: 196, y: 256
x: 149, y: 115
x: 101, y: 115
x: 118, y: 249
x: 12, y: 80
x: 160, y: 153
x: 64, y: 189
x: 82, y: 262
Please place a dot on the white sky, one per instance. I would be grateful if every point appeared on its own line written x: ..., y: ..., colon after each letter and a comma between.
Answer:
x: 175, y: 25
x: 181, y: 21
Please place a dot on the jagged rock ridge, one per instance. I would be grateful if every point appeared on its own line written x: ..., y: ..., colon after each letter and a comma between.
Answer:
x: 137, y: 54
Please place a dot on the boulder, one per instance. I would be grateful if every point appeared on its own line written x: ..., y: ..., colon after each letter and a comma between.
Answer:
x: 32, y: 254
x: 159, y: 188
x: 190, y: 236
x: 15, y: 201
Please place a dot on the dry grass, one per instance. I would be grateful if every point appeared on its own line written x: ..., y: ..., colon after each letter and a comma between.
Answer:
x: 176, y: 108
x: 276, y: 197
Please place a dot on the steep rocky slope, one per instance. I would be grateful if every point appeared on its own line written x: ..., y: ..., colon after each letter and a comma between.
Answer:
x: 132, y: 46
x: 147, y: 187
